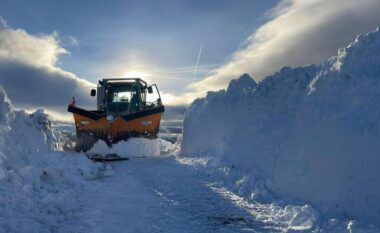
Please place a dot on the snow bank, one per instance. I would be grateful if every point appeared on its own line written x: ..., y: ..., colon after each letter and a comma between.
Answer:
x: 309, y: 134
x: 39, y: 183
x: 134, y: 147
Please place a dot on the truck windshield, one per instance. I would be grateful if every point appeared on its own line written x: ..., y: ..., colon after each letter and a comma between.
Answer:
x: 121, y: 96
x: 120, y: 93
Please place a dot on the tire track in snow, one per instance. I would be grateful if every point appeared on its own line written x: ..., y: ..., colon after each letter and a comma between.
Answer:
x: 191, y: 197
x: 162, y: 195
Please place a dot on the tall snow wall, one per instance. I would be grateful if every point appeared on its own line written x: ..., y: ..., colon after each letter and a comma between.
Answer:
x: 311, y: 133
x: 39, y: 182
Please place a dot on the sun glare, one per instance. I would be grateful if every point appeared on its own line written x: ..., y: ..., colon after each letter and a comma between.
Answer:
x: 135, y: 74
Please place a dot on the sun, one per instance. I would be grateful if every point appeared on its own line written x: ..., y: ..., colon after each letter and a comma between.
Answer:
x: 135, y: 74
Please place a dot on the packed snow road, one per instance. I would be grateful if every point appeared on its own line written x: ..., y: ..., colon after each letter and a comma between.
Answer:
x: 159, y: 194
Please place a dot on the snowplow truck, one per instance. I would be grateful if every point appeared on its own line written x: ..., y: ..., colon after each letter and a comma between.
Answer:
x: 126, y: 107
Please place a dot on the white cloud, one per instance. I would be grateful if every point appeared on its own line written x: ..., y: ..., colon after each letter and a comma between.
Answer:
x: 298, y: 33
x: 179, y: 100
x: 17, y: 45
x: 29, y: 73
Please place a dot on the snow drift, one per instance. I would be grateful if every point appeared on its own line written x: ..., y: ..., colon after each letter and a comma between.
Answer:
x: 134, y: 147
x: 310, y: 134
x: 39, y: 183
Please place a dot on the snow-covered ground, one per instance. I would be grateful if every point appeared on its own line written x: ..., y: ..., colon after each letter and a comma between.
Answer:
x: 295, y: 153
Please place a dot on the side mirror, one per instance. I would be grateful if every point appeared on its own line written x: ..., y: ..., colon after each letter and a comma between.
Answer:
x: 93, y: 92
x: 150, y: 89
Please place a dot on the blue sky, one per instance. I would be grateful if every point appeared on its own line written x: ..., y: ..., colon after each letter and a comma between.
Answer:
x: 115, y: 37
x: 59, y: 49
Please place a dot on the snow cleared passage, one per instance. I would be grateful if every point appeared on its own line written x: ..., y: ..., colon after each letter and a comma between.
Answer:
x: 159, y: 194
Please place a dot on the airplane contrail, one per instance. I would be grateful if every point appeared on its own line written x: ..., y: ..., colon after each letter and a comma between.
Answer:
x: 199, y: 56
